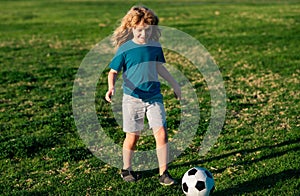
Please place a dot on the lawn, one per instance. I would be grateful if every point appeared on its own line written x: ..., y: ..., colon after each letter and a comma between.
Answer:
x: 255, y: 45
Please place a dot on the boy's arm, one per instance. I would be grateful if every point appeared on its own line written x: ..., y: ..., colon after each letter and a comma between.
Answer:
x: 112, y: 76
x: 164, y: 73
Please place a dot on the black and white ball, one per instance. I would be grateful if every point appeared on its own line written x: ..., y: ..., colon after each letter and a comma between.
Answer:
x: 198, y: 181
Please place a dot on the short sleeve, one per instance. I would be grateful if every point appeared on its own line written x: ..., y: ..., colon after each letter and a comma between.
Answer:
x: 117, y: 62
x: 161, y: 57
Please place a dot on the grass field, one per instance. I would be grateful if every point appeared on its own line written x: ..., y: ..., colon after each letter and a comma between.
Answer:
x: 255, y: 44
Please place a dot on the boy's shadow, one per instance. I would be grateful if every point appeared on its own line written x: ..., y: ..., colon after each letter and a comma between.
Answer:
x: 264, y: 182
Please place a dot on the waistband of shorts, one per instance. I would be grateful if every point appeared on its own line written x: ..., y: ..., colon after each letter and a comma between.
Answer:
x: 155, y: 98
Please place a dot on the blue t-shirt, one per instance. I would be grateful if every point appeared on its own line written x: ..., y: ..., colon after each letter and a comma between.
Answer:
x: 138, y: 62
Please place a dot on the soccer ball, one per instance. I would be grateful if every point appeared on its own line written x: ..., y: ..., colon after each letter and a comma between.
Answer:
x: 198, y: 181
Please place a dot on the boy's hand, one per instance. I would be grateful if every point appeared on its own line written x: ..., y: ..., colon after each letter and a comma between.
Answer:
x: 177, y: 92
x: 109, y: 94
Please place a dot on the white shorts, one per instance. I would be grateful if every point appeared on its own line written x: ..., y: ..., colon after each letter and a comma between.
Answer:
x: 134, y: 110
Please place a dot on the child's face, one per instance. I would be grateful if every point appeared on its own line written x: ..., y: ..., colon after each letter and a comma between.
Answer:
x: 141, y: 33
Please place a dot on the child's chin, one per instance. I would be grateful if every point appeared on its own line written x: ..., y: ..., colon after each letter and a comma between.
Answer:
x: 143, y: 41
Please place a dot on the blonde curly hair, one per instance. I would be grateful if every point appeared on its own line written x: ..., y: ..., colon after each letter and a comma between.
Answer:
x: 136, y: 15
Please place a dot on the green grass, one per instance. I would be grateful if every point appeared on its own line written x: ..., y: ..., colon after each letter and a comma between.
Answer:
x: 255, y: 44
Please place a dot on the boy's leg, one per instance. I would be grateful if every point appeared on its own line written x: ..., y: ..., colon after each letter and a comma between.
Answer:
x: 157, y: 120
x: 129, y: 145
x: 162, y: 148
x: 133, y: 113
x: 128, y: 149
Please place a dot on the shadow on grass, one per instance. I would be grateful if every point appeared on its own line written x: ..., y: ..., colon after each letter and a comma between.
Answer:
x: 261, y: 183
x: 32, y: 146
x: 274, y: 153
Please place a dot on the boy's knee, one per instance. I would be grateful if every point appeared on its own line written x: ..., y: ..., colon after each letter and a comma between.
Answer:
x: 132, y: 136
x: 160, y: 134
